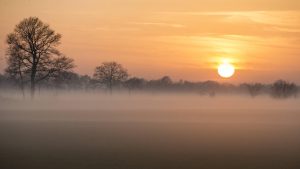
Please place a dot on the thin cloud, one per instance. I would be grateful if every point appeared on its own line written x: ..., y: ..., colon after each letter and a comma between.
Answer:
x: 160, y: 24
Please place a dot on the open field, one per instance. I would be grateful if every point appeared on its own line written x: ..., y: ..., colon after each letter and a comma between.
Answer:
x: 91, y: 131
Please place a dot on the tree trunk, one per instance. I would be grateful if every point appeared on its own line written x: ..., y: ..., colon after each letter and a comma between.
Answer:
x: 32, y: 82
x: 22, y: 82
x: 22, y: 90
x: 32, y: 88
x: 22, y: 85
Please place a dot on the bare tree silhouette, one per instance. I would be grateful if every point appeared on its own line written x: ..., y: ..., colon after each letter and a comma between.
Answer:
x: 254, y: 89
x: 134, y: 83
x: 283, y: 89
x: 110, y: 74
x: 36, y: 43
x: 16, y: 69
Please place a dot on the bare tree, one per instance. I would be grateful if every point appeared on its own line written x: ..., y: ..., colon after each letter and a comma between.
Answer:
x: 254, y: 89
x: 16, y: 69
x: 134, y: 83
x: 110, y: 74
x: 283, y: 89
x: 36, y: 43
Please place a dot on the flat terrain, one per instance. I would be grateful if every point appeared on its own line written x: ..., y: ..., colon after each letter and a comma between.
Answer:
x: 82, y: 131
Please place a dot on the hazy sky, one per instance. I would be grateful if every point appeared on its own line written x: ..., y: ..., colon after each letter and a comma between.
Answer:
x: 185, y: 39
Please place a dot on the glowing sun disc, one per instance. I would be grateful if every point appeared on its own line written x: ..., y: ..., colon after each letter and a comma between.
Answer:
x: 226, y: 70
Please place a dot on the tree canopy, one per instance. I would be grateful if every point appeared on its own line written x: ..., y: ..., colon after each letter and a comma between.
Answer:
x: 32, y: 52
x: 110, y: 74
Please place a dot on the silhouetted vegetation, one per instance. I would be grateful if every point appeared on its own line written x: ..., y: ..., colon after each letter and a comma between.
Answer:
x: 110, y: 74
x: 104, y: 81
x: 32, y: 53
x: 135, y: 83
x: 34, y: 60
x: 283, y: 89
x: 254, y: 89
x: 113, y: 75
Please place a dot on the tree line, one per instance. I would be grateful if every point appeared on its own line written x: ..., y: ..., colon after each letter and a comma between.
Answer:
x: 33, y: 61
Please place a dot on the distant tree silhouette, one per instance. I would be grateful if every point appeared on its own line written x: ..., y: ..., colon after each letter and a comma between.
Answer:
x: 33, y: 45
x: 66, y: 80
x: 86, y: 82
x: 134, y: 83
x: 163, y: 83
x: 283, y: 89
x: 254, y: 89
x: 110, y: 74
x: 166, y: 81
x: 209, y: 87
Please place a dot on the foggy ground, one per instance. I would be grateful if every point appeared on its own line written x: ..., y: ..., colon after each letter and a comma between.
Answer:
x: 148, y: 131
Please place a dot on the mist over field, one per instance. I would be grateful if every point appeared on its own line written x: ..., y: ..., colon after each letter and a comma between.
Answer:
x: 148, y: 130
x: 149, y: 84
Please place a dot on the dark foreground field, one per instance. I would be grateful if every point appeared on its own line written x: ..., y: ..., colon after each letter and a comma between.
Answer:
x: 150, y: 132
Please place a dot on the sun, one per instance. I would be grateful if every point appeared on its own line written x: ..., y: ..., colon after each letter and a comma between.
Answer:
x: 226, y: 70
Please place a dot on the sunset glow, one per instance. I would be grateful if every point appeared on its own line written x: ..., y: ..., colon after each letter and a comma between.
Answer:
x: 154, y: 38
x: 149, y: 84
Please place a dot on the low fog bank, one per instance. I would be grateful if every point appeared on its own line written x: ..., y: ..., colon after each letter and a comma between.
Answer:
x: 122, y: 100
x: 79, y: 130
x: 164, y: 107
x: 72, y: 82
x: 153, y: 108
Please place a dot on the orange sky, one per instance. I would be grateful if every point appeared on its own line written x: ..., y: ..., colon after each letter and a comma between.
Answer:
x: 185, y: 39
